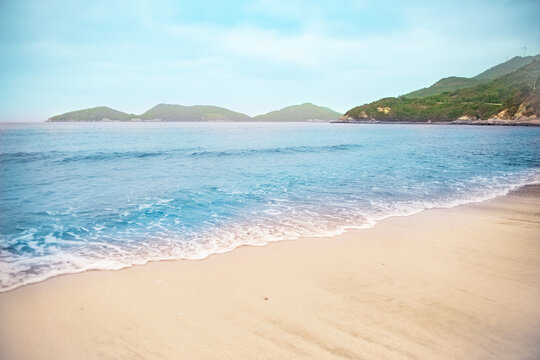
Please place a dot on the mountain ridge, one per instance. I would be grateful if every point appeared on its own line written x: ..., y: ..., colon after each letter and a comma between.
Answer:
x: 198, y: 113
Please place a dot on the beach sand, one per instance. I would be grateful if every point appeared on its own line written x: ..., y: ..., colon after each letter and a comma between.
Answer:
x: 459, y: 283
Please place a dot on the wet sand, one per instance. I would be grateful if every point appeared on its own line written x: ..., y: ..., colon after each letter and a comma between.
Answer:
x: 460, y: 283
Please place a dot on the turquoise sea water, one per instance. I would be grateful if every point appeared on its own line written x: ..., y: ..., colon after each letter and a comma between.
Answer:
x: 79, y: 196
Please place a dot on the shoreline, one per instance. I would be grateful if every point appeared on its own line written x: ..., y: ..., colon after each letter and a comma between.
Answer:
x: 511, y: 123
x: 460, y: 282
x: 492, y: 122
x: 329, y: 234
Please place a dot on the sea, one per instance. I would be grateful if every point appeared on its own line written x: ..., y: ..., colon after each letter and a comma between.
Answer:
x: 83, y: 196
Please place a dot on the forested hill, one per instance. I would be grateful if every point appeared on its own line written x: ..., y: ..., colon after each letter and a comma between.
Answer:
x: 100, y: 113
x: 303, y: 112
x: 170, y: 112
x: 511, y: 97
x: 455, y: 82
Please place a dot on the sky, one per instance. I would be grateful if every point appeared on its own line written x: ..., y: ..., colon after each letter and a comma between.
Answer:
x: 248, y: 56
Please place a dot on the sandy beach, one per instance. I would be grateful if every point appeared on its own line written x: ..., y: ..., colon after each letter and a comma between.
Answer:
x: 459, y: 283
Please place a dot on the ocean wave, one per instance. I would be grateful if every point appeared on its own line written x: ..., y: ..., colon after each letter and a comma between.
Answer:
x: 114, y: 155
x: 266, y: 227
x: 93, y: 196
x: 66, y: 157
x: 24, y: 156
x: 277, y: 150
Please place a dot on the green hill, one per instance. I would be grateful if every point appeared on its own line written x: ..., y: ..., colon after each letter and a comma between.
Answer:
x: 455, y: 83
x: 506, y: 67
x: 514, y: 96
x: 100, y: 113
x: 168, y: 112
x: 446, y: 84
x: 303, y: 112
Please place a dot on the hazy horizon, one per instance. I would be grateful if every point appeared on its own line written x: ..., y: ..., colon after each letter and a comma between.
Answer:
x: 248, y: 56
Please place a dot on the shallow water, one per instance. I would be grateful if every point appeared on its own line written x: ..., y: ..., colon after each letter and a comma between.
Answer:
x: 79, y: 196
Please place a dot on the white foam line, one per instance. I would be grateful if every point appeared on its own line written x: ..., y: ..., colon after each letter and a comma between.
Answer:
x: 216, y: 249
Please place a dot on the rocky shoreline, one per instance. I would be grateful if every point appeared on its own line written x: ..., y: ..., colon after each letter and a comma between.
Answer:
x: 488, y: 122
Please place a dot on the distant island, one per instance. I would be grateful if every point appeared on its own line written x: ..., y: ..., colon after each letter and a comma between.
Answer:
x: 506, y: 94
x: 168, y: 112
x: 99, y: 113
x: 199, y: 113
x: 303, y: 112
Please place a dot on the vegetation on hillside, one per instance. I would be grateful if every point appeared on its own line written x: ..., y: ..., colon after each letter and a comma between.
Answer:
x: 506, y: 67
x: 168, y: 112
x: 444, y: 85
x: 99, y: 113
x: 455, y: 83
x: 303, y: 112
x: 509, y: 93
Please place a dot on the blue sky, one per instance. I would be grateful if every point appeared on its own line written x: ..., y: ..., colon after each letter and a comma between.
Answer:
x: 249, y: 56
